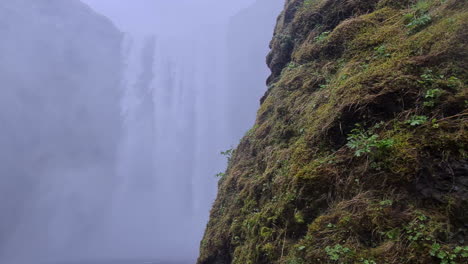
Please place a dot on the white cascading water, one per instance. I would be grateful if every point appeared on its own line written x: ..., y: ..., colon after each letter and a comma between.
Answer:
x: 173, y: 134
x: 175, y: 111
x: 176, y: 124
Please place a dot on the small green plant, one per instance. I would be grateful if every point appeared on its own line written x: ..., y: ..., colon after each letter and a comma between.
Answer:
x: 251, y: 131
x: 417, y: 120
x: 462, y: 251
x: 299, y: 217
x: 361, y: 142
x: 419, y: 9
x: 365, y: 261
x: 422, y: 6
x: 418, y: 22
x: 365, y: 66
x: 337, y: 252
x: 386, y: 203
x: 325, y: 85
x: 432, y: 97
x: 428, y: 78
x: 431, y: 80
x: 393, y: 234
x: 300, y: 248
x: 366, y: 141
x: 292, y: 65
x: 447, y: 255
x: 307, y: 3
x: 381, y: 52
x: 434, y: 123
x: 220, y: 175
x: 266, y: 232
x: 454, y: 82
x: 344, y: 77
x: 228, y: 153
x: 323, y: 36
x: 417, y: 230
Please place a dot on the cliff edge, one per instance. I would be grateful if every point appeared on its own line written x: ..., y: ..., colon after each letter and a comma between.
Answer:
x: 359, y: 151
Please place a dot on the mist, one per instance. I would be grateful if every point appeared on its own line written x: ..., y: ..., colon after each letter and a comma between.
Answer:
x: 114, y: 114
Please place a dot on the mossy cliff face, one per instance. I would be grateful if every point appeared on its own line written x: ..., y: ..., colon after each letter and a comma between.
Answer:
x: 359, y: 151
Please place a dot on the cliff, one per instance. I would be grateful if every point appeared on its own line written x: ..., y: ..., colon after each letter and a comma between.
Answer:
x: 359, y: 150
x: 60, y: 70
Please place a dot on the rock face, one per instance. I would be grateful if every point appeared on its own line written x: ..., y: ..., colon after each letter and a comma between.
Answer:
x: 60, y: 70
x: 359, y: 150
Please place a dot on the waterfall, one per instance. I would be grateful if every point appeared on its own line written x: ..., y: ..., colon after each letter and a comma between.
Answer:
x: 173, y: 133
x: 180, y: 109
x: 111, y: 146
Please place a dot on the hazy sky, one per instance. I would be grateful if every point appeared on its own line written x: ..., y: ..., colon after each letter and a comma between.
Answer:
x: 149, y: 16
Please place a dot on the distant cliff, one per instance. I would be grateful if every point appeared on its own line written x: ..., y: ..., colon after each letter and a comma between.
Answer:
x: 359, y: 150
x: 60, y: 70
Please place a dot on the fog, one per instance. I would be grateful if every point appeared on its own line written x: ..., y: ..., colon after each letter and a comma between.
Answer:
x: 113, y: 117
x: 165, y: 17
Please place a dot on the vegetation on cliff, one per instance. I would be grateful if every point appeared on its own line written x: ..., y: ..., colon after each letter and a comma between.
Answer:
x: 359, y: 151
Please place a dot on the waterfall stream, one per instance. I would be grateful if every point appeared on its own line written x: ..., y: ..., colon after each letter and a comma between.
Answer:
x: 174, y: 131
x: 111, y: 171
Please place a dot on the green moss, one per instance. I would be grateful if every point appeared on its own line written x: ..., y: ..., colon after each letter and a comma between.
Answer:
x: 294, y: 188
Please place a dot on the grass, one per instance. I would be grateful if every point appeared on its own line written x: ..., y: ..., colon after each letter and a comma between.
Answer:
x: 305, y: 179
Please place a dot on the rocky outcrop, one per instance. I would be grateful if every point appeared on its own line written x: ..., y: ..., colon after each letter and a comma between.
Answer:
x: 358, y: 154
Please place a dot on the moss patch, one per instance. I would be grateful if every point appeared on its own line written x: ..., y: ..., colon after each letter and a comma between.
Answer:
x: 297, y: 192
